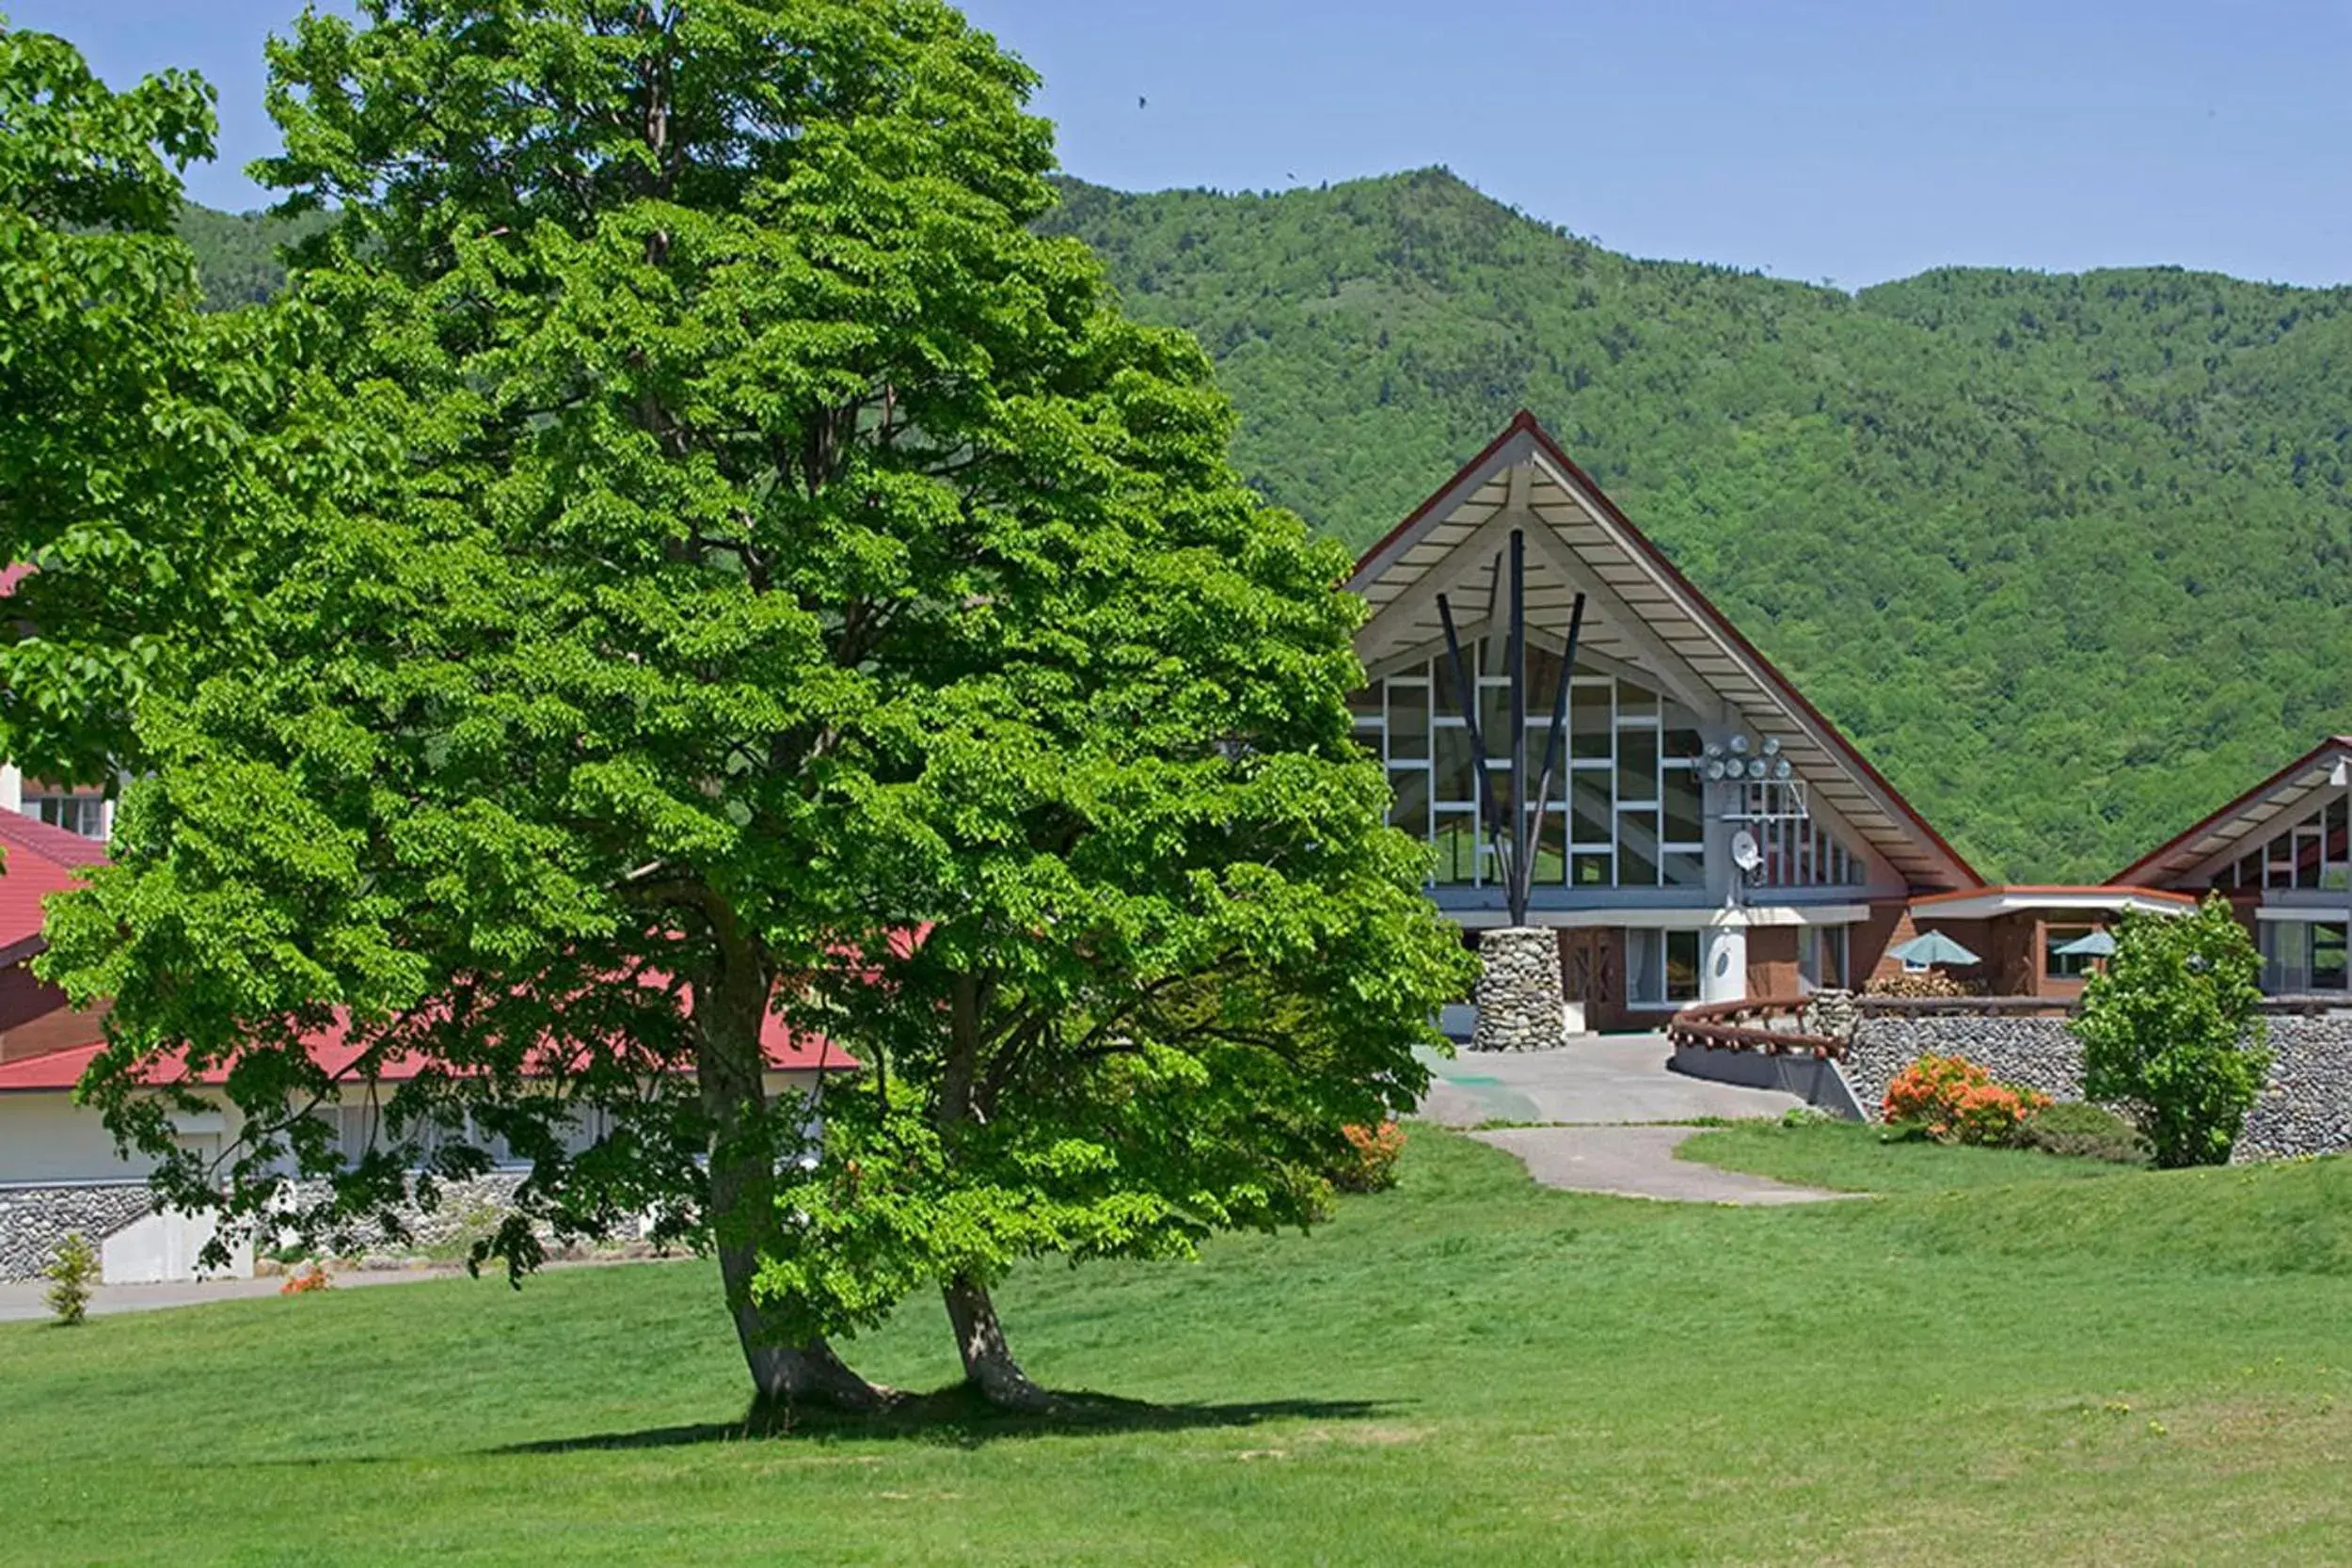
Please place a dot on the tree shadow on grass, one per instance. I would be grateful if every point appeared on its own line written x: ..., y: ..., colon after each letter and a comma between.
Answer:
x: 957, y: 1415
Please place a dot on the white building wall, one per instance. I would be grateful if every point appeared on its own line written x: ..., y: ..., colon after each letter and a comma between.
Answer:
x: 45, y: 1138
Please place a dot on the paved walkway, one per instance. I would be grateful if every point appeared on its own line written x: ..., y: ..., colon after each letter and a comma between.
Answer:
x: 20, y: 1301
x: 1600, y: 1084
x: 1599, y: 1078
x: 1638, y: 1162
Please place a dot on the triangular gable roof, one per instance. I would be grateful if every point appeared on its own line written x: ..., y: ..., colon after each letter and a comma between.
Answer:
x: 2280, y: 800
x: 1645, y: 613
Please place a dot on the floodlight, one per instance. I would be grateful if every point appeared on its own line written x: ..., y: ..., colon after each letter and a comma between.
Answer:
x: 1738, y: 745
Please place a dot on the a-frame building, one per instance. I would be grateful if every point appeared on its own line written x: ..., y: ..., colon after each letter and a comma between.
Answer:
x: 1709, y: 836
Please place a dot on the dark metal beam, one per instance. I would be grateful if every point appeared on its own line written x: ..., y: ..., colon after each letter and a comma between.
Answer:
x: 1466, y: 687
x: 1521, y: 873
x: 1555, y: 744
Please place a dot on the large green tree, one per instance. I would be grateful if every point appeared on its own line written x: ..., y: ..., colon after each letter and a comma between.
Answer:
x: 776, y: 523
x: 1168, y: 949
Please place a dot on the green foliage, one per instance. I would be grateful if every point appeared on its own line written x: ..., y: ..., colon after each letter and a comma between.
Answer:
x: 1976, y: 514
x: 2084, y: 1131
x: 2172, y: 1028
x: 73, y: 1274
x: 125, y: 465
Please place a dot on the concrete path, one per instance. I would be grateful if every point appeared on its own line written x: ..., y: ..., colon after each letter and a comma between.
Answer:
x: 1600, y: 1084
x: 1638, y: 1162
x: 1599, y: 1078
x: 23, y: 1301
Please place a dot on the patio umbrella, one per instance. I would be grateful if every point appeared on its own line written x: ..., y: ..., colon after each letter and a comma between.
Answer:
x: 2098, y: 945
x: 1934, y: 948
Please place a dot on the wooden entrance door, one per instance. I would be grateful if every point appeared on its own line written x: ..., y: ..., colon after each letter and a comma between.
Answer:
x: 1590, y: 974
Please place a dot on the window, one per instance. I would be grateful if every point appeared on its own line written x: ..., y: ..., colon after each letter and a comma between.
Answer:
x: 1630, y: 792
x: 2064, y: 966
x: 1661, y: 968
x: 84, y: 815
x: 2327, y: 943
x: 1820, y: 958
x: 2303, y: 956
x: 2315, y: 852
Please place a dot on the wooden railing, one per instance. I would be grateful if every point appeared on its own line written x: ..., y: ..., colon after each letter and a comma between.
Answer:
x: 1748, y: 1025
x: 1775, y: 1025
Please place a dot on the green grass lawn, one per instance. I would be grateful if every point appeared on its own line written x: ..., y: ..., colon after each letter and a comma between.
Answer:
x: 1999, y: 1362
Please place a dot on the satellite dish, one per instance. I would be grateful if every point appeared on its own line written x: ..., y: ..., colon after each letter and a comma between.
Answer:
x: 1744, y: 854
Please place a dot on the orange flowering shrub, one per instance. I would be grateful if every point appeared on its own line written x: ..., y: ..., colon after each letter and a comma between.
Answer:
x: 309, y: 1277
x: 1371, y: 1164
x: 1959, y: 1102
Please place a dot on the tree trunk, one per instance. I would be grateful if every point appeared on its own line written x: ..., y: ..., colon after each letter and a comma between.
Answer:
x: 988, y: 1363
x: 729, y: 1010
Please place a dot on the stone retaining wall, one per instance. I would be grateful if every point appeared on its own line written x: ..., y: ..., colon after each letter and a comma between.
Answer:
x: 2039, y: 1052
x: 463, y: 1211
x: 2307, y: 1108
x: 33, y: 1220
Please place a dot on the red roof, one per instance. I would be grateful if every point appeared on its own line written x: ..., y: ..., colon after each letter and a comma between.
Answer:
x: 331, y: 1048
x: 2027, y: 890
x: 39, y: 859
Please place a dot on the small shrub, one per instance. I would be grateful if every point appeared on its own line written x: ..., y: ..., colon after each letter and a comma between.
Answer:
x: 73, y: 1274
x: 306, y: 1277
x: 1960, y: 1103
x: 2085, y: 1131
x: 2174, y: 1028
x: 1370, y: 1165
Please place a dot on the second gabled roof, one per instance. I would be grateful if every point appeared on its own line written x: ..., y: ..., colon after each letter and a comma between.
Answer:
x: 2276, y: 801
x: 1636, y: 574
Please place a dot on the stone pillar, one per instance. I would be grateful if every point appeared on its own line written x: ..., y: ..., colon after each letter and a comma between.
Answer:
x: 1519, y: 997
x: 1724, y: 963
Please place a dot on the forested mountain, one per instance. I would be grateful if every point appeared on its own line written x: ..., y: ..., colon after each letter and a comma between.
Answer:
x: 2067, y: 556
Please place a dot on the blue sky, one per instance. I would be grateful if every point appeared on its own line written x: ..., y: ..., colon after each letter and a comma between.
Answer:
x: 1849, y: 141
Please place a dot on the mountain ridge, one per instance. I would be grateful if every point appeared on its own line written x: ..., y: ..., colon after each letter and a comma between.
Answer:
x: 2063, y: 553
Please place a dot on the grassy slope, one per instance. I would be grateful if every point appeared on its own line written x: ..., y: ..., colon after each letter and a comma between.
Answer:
x: 1466, y: 1369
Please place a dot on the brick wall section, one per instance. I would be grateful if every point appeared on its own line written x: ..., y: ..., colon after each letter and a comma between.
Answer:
x: 1772, y: 960
x: 2307, y: 1108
